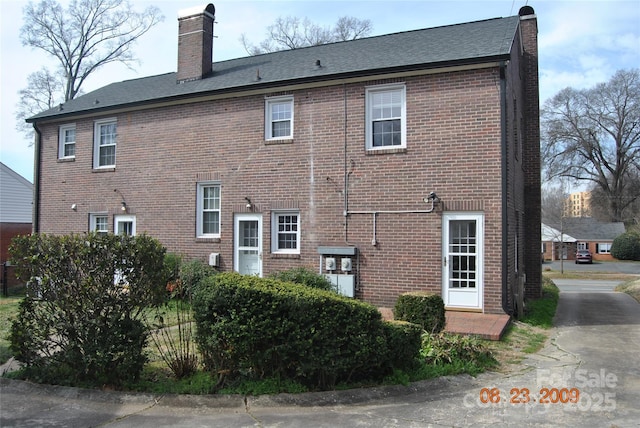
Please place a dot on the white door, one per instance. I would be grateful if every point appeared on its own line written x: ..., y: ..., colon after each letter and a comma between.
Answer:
x: 124, y: 225
x: 248, y: 244
x: 462, y: 260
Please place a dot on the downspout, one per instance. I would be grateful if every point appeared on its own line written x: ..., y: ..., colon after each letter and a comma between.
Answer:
x: 36, y: 180
x: 505, y: 211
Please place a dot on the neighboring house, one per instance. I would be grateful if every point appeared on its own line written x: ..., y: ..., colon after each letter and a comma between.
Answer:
x: 324, y: 157
x: 593, y: 235
x: 16, y: 205
x: 557, y: 243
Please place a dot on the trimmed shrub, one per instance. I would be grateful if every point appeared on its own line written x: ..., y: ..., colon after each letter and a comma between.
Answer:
x: 305, y: 276
x: 81, y: 320
x: 262, y: 328
x: 403, y: 343
x: 422, y: 308
x: 626, y: 246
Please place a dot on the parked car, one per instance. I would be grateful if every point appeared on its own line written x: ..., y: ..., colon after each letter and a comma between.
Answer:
x: 584, y: 256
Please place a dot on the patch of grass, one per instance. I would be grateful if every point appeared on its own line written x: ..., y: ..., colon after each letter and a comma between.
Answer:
x: 8, y: 311
x: 631, y: 287
x: 609, y: 276
x: 540, y: 312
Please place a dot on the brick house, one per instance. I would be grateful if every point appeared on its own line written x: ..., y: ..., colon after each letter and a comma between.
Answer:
x: 16, y: 206
x: 408, y: 161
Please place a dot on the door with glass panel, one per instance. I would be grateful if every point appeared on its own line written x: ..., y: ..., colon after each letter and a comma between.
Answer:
x: 462, y: 251
x: 248, y: 244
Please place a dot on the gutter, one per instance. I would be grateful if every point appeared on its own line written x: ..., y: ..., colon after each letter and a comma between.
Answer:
x: 37, y: 155
x: 504, y: 179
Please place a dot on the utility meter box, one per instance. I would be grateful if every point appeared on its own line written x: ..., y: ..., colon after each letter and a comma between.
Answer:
x: 330, y: 263
x: 346, y: 264
x: 214, y: 259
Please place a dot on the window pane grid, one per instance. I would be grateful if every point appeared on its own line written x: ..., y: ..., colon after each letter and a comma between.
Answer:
x: 279, y: 118
x: 209, y: 210
x: 386, y: 116
x: 462, y: 251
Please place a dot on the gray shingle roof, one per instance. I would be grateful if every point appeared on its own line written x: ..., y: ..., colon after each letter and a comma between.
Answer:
x: 467, y: 43
x: 590, y: 229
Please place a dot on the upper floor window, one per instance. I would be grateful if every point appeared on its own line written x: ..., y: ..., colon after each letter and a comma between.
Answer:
x: 285, y: 236
x: 104, y: 145
x: 98, y: 223
x: 208, y: 210
x: 67, y: 141
x: 278, y: 118
x: 386, y: 117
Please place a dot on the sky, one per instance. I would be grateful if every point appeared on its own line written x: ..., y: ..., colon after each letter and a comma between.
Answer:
x: 581, y: 43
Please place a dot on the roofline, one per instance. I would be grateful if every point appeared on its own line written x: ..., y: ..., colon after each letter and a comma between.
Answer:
x: 284, y: 85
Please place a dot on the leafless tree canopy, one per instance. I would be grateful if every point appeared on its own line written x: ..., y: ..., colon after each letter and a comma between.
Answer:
x: 593, y: 136
x: 292, y: 33
x: 82, y: 38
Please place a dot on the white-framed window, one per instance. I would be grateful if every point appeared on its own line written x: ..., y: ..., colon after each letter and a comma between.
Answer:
x: 603, y: 248
x: 67, y: 141
x: 99, y: 223
x: 386, y: 117
x: 104, y: 144
x: 285, y: 232
x: 124, y: 225
x: 278, y: 122
x: 208, y: 210
x: 583, y: 245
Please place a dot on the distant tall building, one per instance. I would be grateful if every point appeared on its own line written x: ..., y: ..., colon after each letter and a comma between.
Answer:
x: 578, y: 205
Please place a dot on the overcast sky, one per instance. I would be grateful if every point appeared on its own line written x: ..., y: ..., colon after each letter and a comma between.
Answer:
x: 581, y: 43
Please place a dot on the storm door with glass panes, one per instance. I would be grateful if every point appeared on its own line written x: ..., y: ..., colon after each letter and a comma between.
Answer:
x: 462, y: 260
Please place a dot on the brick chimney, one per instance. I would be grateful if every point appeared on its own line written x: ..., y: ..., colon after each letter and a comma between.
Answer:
x: 195, y: 42
x: 531, y: 151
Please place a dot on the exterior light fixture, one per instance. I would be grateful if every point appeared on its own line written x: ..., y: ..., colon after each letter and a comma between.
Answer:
x: 124, y: 206
x: 249, y: 204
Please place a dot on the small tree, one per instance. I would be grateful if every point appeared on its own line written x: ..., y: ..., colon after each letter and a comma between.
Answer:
x: 81, y: 321
x: 292, y: 33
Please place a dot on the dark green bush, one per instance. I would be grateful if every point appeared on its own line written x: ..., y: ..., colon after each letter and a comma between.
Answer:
x: 403, y: 343
x: 248, y: 327
x: 422, y: 308
x: 305, y: 276
x: 626, y: 246
x: 80, y: 322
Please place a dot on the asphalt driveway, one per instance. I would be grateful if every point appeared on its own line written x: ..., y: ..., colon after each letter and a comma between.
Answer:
x: 592, y: 359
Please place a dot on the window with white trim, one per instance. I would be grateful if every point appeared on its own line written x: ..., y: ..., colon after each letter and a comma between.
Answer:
x: 208, y: 210
x: 278, y: 121
x: 285, y: 232
x: 98, y: 223
x: 603, y: 248
x: 104, y: 145
x: 386, y: 117
x: 67, y: 141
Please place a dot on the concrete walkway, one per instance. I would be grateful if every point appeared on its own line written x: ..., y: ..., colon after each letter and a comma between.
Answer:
x: 593, y: 352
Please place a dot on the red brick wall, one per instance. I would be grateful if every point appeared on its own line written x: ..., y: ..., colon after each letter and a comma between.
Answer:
x: 453, y: 148
x: 7, y: 232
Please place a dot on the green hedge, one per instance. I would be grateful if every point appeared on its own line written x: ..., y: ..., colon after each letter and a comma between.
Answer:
x: 626, y: 246
x: 422, y: 308
x: 264, y: 328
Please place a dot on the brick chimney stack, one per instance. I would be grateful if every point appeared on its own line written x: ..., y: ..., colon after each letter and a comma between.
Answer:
x: 531, y: 151
x: 195, y: 42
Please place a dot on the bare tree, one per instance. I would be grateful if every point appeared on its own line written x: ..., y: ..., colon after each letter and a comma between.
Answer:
x: 593, y: 135
x: 86, y: 36
x: 44, y: 91
x: 292, y: 33
x: 554, y: 204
